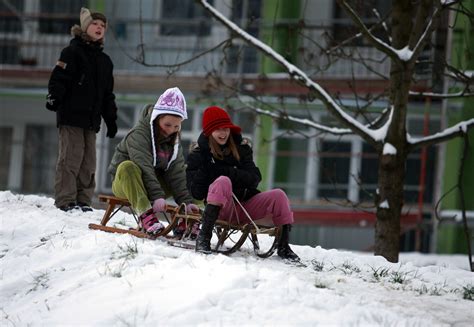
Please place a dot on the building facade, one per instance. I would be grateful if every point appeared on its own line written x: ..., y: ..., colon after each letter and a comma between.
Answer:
x: 151, y: 42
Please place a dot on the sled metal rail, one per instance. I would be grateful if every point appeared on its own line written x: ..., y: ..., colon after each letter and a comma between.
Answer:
x: 223, y: 229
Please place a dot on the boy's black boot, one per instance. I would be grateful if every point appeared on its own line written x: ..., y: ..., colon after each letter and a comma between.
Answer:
x: 209, y: 217
x: 284, y: 251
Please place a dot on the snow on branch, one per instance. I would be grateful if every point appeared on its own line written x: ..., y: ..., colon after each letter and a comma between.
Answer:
x: 460, y: 94
x: 317, y: 126
x: 451, y: 132
x: 371, y: 136
x: 303, y: 121
x: 403, y: 54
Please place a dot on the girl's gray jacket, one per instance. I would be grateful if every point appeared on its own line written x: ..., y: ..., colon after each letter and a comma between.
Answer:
x: 138, y: 146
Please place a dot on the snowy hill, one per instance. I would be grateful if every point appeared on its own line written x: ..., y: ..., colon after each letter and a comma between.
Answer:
x: 55, y: 271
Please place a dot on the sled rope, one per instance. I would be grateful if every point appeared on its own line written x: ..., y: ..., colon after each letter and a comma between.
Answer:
x: 246, y: 213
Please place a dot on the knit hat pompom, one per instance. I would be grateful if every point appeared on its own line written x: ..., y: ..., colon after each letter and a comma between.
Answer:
x: 215, y: 118
x: 86, y: 18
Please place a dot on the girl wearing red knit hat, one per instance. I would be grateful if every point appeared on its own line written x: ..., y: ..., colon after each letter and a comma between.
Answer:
x: 221, y: 166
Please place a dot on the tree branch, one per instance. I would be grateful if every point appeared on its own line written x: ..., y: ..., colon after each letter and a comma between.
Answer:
x: 297, y: 74
x: 459, y: 129
x: 306, y: 122
x: 461, y: 94
x: 182, y: 63
x: 309, y: 123
x: 376, y: 42
x: 422, y: 38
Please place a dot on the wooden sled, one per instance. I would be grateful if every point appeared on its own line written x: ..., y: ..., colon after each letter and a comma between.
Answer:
x: 223, y: 229
x: 115, y: 204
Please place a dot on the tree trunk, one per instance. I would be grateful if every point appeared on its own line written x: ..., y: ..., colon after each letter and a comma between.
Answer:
x: 389, y: 206
x: 391, y: 171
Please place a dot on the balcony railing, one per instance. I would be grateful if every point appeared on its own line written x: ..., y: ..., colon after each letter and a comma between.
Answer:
x: 145, y: 47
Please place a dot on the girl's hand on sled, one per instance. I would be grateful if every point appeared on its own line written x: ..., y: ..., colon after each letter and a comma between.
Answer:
x: 191, y: 207
x: 159, y: 205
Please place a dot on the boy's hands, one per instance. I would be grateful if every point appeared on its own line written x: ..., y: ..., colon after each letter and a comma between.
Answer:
x: 111, y: 129
x: 51, y: 103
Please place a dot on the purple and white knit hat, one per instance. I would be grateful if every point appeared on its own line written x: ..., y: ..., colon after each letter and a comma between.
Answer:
x: 171, y: 102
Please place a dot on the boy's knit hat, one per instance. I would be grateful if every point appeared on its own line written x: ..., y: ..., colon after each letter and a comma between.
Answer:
x: 171, y: 102
x: 215, y: 118
x: 87, y: 17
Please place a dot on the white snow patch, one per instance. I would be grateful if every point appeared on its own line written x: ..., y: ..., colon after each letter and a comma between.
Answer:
x: 404, y: 54
x: 384, y: 205
x: 389, y: 149
x: 53, y: 265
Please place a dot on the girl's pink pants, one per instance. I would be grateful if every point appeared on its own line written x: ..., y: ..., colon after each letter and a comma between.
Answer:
x: 273, y: 205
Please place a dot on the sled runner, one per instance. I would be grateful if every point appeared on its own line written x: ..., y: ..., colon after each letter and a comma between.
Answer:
x: 226, y: 232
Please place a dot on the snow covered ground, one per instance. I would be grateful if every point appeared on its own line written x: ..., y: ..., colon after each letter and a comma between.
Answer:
x: 55, y: 271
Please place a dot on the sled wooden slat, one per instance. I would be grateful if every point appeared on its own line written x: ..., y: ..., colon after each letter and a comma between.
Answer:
x: 112, y: 202
x: 133, y: 232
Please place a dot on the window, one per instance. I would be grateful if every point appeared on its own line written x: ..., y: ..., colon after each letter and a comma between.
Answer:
x: 416, y: 126
x: 290, y: 166
x: 184, y: 17
x: 57, y: 17
x: 413, y: 172
x: 11, y: 27
x: 242, y: 58
x: 9, y: 52
x: 9, y: 21
x: 369, y: 173
x: 335, y: 159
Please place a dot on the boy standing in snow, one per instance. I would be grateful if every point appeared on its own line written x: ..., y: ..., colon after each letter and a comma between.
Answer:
x: 80, y: 91
x: 148, y: 163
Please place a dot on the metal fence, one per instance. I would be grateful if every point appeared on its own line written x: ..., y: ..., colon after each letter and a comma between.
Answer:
x: 152, y: 46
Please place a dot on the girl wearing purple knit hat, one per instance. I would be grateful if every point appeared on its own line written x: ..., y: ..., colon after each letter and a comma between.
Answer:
x: 148, y: 163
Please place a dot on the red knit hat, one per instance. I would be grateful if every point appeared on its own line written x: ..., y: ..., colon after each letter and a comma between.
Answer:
x: 215, y: 118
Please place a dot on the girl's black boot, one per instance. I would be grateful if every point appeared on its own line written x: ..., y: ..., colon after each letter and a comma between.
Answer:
x: 209, y: 217
x: 284, y: 251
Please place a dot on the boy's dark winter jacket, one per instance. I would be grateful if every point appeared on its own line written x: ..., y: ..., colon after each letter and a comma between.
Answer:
x: 202, y: 169
x: 81, y: 87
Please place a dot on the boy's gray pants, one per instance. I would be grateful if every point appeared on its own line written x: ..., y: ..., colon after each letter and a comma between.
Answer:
x: 75, y: 168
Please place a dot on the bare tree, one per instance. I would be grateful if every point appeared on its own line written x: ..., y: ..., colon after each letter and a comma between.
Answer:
x: 412, y: 24
x: 409, y: 28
